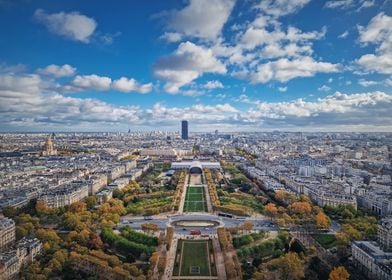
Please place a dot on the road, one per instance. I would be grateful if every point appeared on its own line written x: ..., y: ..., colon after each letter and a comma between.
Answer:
x: 163, y: 221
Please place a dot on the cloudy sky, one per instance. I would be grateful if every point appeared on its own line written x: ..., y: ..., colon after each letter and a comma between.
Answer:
x: 232, y: 65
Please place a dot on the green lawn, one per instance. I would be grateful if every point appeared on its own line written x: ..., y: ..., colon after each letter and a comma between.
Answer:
x: 195, y: 200
x: 194, y: 254
x: 325, y: 240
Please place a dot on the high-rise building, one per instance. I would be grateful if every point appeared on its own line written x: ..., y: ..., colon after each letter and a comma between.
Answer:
x: 184, y: 130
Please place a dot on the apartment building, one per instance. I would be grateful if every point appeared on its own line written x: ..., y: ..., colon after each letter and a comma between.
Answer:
x: 7, y: 232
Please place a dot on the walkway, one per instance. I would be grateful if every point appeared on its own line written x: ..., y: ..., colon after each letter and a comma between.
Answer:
x: 171, y: 256
x: 208, y: 198
x: 183, y: 196
x: 219, y: 260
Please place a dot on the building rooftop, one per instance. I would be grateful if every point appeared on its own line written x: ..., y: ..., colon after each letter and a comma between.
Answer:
x: 373, y: 250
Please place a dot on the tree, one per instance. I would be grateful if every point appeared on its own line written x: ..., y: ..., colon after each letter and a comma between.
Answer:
x: 20, y: 232
x: 95, y: 241
x: 351, y: 232
x: 322, y: 220
x: 78, y: 207
x: 149, y: 227
x: 247, y: 226
x: 42, y: 208
x: 10, y: 211
x: 271, y: 210
x: 289, y: 266
x: 339, y: 273
x: 48, y: 235
x: 91, y: 201
x: 117, y: 193
x: 302, y: 208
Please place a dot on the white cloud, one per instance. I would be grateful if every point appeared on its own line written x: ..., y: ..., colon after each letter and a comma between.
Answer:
x: 15, y: 86
x: 348, y: 4
x: 339, y: 4
x: 74, y: 26
x: 278, y: 42
x: 201, y: 18
x: 57, y: 71
x: 283, y: 70
x: 330, y: 80
x: 344, y: 35
x: 213, y: 85
x: 102, y: 83
x: 243, y: 98
x: 220, y: 96
x: 249, y: 54
x: 171, y: 37
x: 92, y: 82
x: 108, y: 38
x: 29, y: 102
x: 279, y: 8
x: 324, y: 88
x: 366, y: 83
x: 187, y: 63
x: 366, y: 4
x: 282, y: 89
x: 356, y: 111
x: 379, y: 63
x: 378, y: 32
x: 131, y: 85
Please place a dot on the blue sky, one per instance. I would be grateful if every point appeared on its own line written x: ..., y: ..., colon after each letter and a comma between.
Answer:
x: 222, y: 64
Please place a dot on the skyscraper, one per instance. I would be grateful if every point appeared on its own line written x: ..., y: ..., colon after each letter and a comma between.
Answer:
x: 184, y: 130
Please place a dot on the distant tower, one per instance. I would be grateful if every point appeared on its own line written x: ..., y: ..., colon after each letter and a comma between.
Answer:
x: 184, y: 130
x: 48, y: 149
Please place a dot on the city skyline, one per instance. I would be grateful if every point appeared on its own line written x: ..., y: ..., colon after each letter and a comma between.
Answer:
x: 258, y: 66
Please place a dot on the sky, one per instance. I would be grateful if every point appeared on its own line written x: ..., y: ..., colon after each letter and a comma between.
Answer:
x: 231, y: 65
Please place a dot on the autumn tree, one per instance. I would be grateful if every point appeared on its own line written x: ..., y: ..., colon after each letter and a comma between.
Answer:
x: 271, y: 210
x: 247, y: 226
x: 95, y: 241
x: 42, y: 208
x: 322, y: 220
x: 351, y: 232
x: 149, y: 227
x: 78, y: 207
x: 302, y: 208
x: 339, y: 273
x: 284, y: 196
x: 289, y: 267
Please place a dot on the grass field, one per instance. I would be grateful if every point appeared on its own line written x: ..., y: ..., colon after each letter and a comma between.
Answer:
x: 196, y: 256
x: 195, y: 200
x: 325, y: 240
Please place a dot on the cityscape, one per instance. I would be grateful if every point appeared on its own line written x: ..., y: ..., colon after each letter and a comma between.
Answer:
x: 196, y: 140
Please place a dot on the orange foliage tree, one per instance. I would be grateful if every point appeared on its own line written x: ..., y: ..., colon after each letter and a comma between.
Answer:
x: 339, y: 273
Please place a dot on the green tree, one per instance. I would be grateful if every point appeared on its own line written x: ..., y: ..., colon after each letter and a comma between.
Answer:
x: 91, y: 201
x: 10, y: 211
x: 289, y: 267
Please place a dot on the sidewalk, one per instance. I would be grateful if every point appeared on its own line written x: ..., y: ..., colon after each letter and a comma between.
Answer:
x: 183, y: 196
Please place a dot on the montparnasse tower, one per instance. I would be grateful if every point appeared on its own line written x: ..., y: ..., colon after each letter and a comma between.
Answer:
x: 48, y: 149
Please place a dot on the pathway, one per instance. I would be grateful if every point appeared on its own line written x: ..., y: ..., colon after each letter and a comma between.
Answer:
x: 208, y: 198
x: 219, y: 260
x: 171, y: 258
x: 183, y: 196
